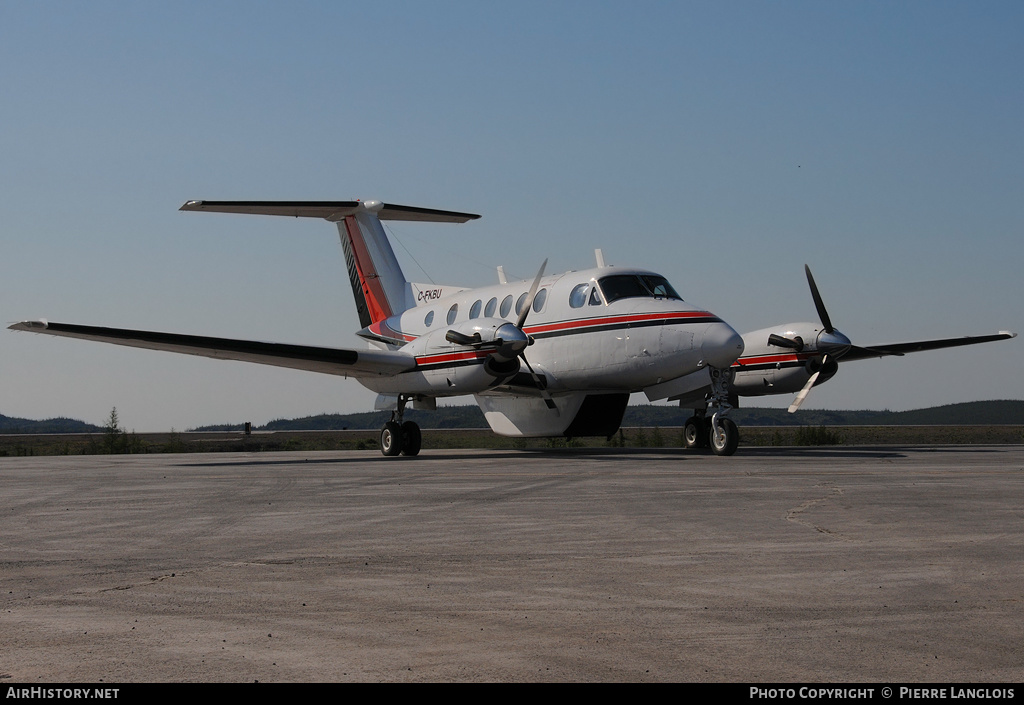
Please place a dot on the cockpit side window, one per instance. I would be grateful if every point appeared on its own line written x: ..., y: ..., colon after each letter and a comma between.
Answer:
x: 578, y: 296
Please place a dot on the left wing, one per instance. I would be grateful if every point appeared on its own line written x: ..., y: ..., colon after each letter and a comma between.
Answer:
x: 332, y: 361
x: 858, y: 353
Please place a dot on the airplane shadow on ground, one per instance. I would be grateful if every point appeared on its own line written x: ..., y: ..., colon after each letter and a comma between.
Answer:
x: 346, y: 457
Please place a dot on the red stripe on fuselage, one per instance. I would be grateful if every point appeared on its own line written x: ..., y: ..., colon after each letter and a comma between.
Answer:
x: 452, y: 357
x: 581, y: 323
x: 774, y: 357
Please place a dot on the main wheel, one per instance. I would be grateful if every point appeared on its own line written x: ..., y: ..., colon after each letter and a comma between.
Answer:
x: 412, y: 438
x: 725, y: 438
x: 693, y: 432
x: 391, y: 439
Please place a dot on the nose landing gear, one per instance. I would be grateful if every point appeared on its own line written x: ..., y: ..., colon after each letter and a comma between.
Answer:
x: 718, y: 432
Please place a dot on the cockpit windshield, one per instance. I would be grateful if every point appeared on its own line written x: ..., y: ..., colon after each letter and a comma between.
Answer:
x: 626, y: 286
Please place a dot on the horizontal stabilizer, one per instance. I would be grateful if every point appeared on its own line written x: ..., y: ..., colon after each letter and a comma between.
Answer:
x: 335, y: 361
x: 330, y: 210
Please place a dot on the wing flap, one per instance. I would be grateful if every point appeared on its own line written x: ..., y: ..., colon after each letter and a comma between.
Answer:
x: 334, y: 361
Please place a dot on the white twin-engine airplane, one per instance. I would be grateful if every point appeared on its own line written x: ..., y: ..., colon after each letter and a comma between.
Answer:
x: 556, y: 357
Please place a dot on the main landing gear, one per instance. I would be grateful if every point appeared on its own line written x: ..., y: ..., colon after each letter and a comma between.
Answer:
x: 718, y: 432
x: 398, y: 437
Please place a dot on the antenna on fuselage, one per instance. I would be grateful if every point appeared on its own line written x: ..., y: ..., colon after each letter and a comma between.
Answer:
x: 600, y: 258
x: 502, y: 279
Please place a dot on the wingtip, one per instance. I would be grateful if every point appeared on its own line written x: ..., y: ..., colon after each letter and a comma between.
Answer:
x: 191, y: 206
x: 1008, y: 333
x: 41, y: 324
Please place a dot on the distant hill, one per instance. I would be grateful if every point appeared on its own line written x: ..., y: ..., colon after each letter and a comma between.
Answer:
x: 977, y: 412
x: 10, y: 424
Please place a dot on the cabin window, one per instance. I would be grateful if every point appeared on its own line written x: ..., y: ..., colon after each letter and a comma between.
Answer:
x: 520, y: 302
x: 490, y: 307
x: 474, y: 311
x: 539, y: 299
x: 428, y: 320
x: 452, y: 313
x: 506, y: 306
x: 578, y: 296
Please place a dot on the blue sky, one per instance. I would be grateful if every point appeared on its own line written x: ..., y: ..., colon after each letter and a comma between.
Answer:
x: 722, y: 144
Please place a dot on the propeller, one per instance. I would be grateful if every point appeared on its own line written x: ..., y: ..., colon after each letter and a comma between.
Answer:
x: 527, y: 305
x: 510, y: 342
x: 830, y: 343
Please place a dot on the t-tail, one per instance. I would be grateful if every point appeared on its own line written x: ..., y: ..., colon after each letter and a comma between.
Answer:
x: 378, y: 284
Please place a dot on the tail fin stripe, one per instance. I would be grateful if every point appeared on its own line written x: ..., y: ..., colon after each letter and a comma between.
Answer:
x: 366, y: 283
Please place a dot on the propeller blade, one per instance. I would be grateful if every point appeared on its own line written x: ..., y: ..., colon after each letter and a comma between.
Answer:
x: 528, y: 304
x: 548, y: 401
x: 802, y: 394
x: 826, y: 322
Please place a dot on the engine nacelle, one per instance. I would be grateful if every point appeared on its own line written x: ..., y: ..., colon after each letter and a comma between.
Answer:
x: 467, y: 358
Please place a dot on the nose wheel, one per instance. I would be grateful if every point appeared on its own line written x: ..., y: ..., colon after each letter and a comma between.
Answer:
x: 723, y: 436
x: 695, y: 432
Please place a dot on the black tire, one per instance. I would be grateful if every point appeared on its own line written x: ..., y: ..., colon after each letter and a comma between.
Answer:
x: 391, y: 440
x: 693, y: 432
x: 413, y: 439
x: 724, y: 443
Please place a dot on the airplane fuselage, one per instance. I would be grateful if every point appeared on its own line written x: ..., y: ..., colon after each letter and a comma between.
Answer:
x: 592, y: 331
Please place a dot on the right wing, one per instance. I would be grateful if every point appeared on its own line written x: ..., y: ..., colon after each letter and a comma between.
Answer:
x: 332, y: 361
x: 858, y: 353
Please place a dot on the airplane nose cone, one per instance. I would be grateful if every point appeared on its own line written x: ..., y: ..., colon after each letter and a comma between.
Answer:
x: 721, y: 345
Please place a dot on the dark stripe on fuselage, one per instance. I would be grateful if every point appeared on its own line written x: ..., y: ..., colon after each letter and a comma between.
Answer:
x: 605, y: 323
x: 585, y: 328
